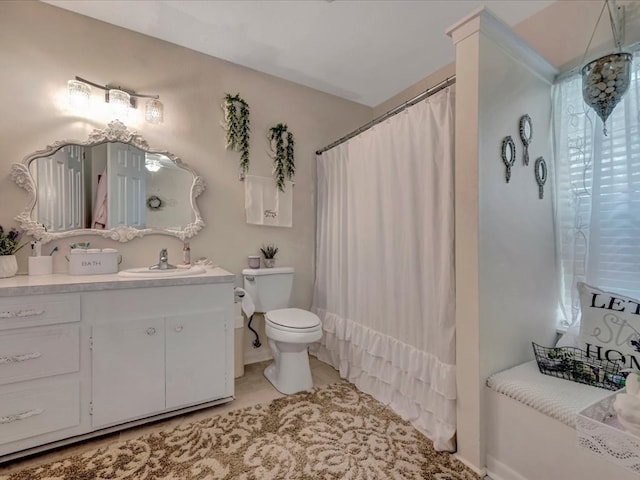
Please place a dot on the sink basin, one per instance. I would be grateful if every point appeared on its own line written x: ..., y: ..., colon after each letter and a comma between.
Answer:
x: 144, y: 272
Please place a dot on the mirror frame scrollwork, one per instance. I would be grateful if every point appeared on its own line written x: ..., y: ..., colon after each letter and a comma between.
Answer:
x: 116, y: 131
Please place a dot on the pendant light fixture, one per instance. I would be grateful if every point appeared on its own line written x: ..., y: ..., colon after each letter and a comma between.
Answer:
x: 152, y: 162
x: 606, y: 79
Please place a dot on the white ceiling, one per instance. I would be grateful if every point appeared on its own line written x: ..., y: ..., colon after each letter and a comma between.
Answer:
x: 362, y: 50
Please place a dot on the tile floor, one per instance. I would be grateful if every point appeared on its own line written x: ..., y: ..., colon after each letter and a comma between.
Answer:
x: 251, y: 389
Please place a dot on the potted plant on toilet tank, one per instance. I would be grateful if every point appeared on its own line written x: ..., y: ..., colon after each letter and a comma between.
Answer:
x: 269, y: 253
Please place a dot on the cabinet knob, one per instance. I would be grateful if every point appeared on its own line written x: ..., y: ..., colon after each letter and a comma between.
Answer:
x: 151, y: 331
x: 179, y: 328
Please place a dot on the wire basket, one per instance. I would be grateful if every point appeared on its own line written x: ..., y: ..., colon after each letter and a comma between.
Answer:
x: 571, y: 363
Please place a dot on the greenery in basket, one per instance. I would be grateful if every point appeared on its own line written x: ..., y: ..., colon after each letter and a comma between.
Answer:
x: 10, y: 241
x: 269, y: 251
x: 236, y: 124
x: 577, y: 370
x: 282, y: 145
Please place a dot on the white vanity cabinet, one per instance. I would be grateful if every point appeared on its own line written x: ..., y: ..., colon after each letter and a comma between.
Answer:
x: 160, y: 348
x: 40, y: 385
x: 113, y: 354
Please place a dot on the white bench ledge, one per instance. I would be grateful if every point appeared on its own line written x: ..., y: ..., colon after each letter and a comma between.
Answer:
x: 559, y: 399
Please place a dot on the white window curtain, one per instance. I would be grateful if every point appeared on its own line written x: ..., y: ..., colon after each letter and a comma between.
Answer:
x: 384, y: 276
x: 597, y: 192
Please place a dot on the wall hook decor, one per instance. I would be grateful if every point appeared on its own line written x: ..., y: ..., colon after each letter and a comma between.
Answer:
x: 540, y: 170
x: 237, y: 125
x: 508, y: 155
x: 282, y: 145
x: 526, y: 132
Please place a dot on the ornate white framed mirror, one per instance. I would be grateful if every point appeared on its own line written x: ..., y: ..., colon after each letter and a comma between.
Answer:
x: 113, y: 185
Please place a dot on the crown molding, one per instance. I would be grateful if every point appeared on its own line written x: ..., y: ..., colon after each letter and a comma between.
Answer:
x: 488, y: 24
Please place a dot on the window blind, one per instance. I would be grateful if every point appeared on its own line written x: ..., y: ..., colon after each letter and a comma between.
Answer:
x: 597, y: 192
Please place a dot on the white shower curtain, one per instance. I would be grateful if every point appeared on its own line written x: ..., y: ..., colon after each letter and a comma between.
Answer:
x: 384, y: 275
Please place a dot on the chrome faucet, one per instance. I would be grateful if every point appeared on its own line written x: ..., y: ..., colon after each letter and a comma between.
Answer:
x: 163, y: 262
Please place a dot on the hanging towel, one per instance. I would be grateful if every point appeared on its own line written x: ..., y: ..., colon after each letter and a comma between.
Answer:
x: 99, y: 220
x: 265, y: 204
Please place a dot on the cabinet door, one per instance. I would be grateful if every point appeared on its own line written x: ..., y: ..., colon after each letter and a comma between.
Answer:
x: 128, y: 370
x: 196, y: 357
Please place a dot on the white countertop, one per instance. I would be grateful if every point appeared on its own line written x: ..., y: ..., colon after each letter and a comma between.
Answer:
x: 65, y: 283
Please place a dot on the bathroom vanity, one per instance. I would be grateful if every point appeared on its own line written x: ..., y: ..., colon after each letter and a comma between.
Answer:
x: 85, y: 355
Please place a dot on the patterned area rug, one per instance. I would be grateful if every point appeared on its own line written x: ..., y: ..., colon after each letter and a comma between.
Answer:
x: 333, y: 432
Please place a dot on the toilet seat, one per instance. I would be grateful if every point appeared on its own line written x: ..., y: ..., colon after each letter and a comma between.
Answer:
x: 292, y: 320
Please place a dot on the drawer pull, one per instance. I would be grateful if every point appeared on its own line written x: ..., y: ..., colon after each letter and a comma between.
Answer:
x: 151, y: 331
x: 29, y: 312
x: 19, y: 358
x: 21, y: 416
x: 179, y: 328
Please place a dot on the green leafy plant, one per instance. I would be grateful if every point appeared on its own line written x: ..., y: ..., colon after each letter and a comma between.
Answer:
x: 237, y: 126
x: 269, y: 251
x: 282, y: 148
x: 10, y: 241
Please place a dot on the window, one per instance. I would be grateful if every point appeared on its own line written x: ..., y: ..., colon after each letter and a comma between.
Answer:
x: 597, y: 192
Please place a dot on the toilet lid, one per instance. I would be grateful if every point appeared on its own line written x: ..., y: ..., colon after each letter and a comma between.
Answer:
x: 293, y: 318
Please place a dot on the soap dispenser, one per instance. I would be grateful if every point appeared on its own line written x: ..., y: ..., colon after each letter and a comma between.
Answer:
x: 186, y: 254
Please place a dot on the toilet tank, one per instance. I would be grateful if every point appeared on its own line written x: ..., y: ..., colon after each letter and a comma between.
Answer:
x: 269, y: 288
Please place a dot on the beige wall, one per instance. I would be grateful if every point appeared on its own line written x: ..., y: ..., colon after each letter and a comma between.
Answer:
x: 415, y: 89
x: 560, y: 33
x: 41, y: 47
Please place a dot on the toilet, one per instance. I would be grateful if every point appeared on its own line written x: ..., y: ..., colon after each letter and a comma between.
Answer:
x: 289, y: 330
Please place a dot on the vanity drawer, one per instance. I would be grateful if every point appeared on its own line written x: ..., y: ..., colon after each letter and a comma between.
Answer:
x: 35, y: 411
x: 35, y: 310
x: 31, y: 353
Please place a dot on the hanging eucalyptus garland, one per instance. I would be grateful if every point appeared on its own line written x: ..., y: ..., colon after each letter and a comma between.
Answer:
x: 282, y: 145
x: 236, y: 124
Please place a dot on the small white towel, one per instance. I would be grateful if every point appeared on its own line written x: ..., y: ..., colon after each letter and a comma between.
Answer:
x: 265, y: 204
x: 248, y: 307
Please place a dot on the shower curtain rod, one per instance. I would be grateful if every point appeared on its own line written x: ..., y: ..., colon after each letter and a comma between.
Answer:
x: 418, y: 98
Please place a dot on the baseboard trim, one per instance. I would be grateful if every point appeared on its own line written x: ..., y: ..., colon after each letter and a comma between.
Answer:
x: 481, y: 472
x: 256, y: 357
x: 496, y: 470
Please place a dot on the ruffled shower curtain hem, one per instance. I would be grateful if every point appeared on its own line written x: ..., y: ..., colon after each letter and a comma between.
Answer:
x: 396, y: 374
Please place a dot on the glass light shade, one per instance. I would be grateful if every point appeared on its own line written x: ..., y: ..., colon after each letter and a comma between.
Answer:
x: 78, y: 94
x: 152, y: 164
x: 154, y: 111
x: 120, y: 102
x: 604, y: 82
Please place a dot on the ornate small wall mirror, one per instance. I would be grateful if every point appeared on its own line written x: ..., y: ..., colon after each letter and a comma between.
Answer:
x: 508, y: 155
x: 102, y: 186
x: 540, y: 170
x: 526, y: 133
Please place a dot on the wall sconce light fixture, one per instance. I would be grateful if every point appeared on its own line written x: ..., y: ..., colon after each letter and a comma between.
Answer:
x: 78, y: 94
x: 120, y: 99
x: 154, y: 111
